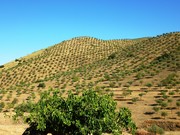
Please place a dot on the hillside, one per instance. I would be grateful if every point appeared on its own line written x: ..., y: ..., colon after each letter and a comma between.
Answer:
x: 138, y: 71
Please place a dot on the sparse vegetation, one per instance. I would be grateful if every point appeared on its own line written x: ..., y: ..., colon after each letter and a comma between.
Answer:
x: 164, y: 114
x: 156, y: 130
x: 1, y: 106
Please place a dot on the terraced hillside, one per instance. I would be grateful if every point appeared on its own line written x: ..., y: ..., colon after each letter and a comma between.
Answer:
x: 143, y: 74
x: 65, y: 56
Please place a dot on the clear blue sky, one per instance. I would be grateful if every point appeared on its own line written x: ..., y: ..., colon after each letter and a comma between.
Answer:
x: 30, y: 25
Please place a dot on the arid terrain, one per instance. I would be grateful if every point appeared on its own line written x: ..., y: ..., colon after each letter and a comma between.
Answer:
x: 143, y: 74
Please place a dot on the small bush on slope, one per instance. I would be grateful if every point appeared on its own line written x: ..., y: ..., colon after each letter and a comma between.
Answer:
x: 87, y: 114
x: 156, y: 130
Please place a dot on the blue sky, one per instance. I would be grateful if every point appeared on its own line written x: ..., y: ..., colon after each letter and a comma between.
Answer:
x: 30, y: 25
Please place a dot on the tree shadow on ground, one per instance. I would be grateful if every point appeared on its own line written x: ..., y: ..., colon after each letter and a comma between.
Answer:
x: 32, y: 131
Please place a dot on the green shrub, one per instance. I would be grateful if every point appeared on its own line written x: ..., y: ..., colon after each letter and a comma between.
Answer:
x: 178, y: 104
x: 156, y: 109
x: 164, y: 104
x: 171, y: 93
x: 124, y: 119
x: 112, y: 84
x: 23, y: 107
x: 156, y: 130
x: 1, y: 66
x: 15, y: 100
x: 75, y: 78
x: 169, y: 79
x: 140, y: 75
x: 41, y: 85
x: 87, y: 114
x: 178, y: 114
x: 135, y: 99
x: 149, y: 84
x: 1, y: 106
x: 164, y: 114
x: 112, y: 56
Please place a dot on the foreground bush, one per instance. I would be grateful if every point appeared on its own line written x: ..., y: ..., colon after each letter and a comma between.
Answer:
x: 87, y: 114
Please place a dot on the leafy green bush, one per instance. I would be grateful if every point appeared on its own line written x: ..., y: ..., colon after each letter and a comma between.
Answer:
x: 149, y: 84
x: 169, y: 79
x: 41, y: 85
x: 156, y: 109
x: 178, y: 104
x: 87, y: 114
x: 156, y: 130
x: 124, y: 119
x: 75, y: 78
x: 112, y: 56
x: 1, y: 66
x: 178, y: 114
x: 135, y: 99
x: 1, y: 106
x: 164, y: 114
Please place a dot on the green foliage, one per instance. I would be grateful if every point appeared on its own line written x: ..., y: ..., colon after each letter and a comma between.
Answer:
x: 127, y: 92
x: 164, y: 114
x: 159, y: 101
x: 41, y: 85
x: 15, y: 100
x: 163, y: 57
x: 178, y: 114
x: 140, y: 75
x: 112, y: 56
x: 125, y: 120
x: 156, y: 109
x: 107, y: 77
x: 17, y: 60
x: 75, y: 78
x: 24, y: 107
x: 1, y: 106
x: 169, y: 79
x: 169, y: 100
x: 130, y: 54
x: 178, y: 104
x: 141, y: 94
x: 164, y: 104
x: 112, y: 84
x: 171, y: 93
x: 87, y: 114
x: 156, y: 130
x: 164, y: 96
x: 1, y: 66
x: 135, y: 99
x: 149, y: 84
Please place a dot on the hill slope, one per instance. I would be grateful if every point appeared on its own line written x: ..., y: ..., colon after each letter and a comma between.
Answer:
x: 65, y: 56
x: 128, y: 68
x: 142, y: 58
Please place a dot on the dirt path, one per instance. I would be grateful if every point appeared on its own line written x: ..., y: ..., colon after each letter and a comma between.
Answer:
x: 9, y: 127
x: 12, y: 129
